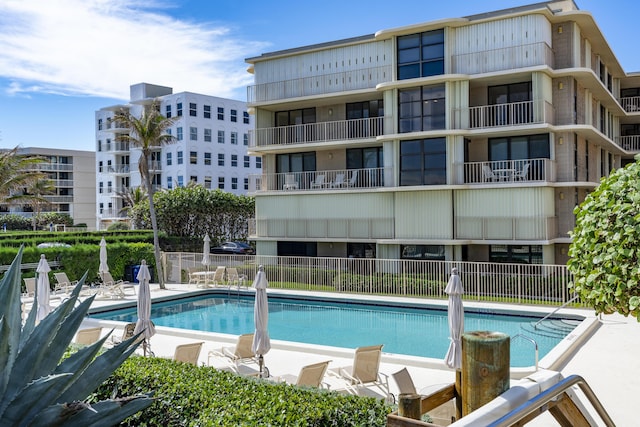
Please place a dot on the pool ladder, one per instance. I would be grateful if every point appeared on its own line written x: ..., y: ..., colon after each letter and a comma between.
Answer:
x: 532, y: 341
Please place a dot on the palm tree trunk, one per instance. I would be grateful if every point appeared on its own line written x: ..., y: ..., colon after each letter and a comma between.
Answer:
x: 154, y: 226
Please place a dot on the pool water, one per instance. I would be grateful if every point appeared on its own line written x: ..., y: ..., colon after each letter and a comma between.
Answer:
x: 410, y: 331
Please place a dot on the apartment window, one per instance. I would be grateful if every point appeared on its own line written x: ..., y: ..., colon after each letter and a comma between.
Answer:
x: 220, y: 113
x: 296, y: 117
x: 180, y: 181
x: 519, y: 147
x: 361, y: 250
x: 421, y: 55
x: 207, y: 111
x: 234, y: 115
x: 220, y: 137
x: 109, y: 186
x: 193, y: 109
x: 207, y: 159
x: 99, y: 145
x: 207, y: 182
x: 193, y: 133
x: 421, y: 109
x: 101, y: 187
x: 180, y: 159
x: 247, y: 161
x: 156, y: 179
x: 258, y: 162
x: 246, y: 184
x: 100, y: 166
x: 179, y: 133
x: 167, y: 111
x: 193, y: 157
x: 221, y: 182
x: 507, y: 94
x: 101, y: 208
x: 366, y: 109
x: 426, y: 252
x: 234, y: 138
x: 234, y: 183
x: 108, y: 145
x: 169, y: 132
x: 99, y: 124
x: 423, y: 162
x: 234, y: 160
x: 179, y: 109
x: 245, y: 139
x: 109, y: 168
x: 207, y: 135
x: 245, y: 117
x: 194, y: 179
x: 221, y: 159
x: 169, y: 182
x: 519, y: 254
x: 169, y: 157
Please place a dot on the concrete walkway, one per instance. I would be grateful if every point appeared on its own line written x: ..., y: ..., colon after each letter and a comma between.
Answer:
x: 608, y: 360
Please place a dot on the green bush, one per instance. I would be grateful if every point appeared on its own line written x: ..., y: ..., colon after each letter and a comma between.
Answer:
x: 186, y: 395
x: 118, y: 226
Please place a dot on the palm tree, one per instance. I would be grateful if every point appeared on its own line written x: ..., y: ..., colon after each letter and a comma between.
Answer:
x: 131, y: 197
x: 34, y: 196
x: 147, y: 133
x: 16, y: 174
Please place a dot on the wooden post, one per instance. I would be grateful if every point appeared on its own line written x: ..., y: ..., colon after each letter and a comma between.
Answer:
x: 485, y: 368
x: 458, y: 393
x: 409, y: 406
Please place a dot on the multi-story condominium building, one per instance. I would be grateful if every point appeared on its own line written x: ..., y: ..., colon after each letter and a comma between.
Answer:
x: 72, y: 174
x: 212, y: 138
x: 467, y: 139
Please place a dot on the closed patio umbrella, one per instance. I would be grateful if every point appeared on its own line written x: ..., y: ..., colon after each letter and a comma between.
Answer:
x: 205, y: 251
x: 104, y: 267
x: 261, y: 342
x: 454, y: 289
x: 42, y: 288
x: 144, y: 323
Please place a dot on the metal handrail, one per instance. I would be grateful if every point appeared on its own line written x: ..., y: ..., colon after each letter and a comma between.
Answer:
x: 534, y: 342
x: 550, y: 394
x: 555, y: 311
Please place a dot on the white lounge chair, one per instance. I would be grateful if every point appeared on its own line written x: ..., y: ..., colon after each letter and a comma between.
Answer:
x: 236, y: 279
x: 319, y: 181
x: 404, y: 381
x: 64, y: 284
x: 30, y: 286
x: 88, y: 336
x: 115, y: 288
x: 188, y: 353
x: 239, y: 355
x: 365, y: 371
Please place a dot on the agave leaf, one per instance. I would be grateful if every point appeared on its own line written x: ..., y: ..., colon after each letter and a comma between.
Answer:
x: 30, y: 323
x: 33, y: 398
x: 5, y: 330
x: 12, y: 314
x: 99, y: 370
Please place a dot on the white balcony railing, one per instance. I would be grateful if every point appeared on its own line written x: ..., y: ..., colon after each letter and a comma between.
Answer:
x: 508, y: 58
x: 63, y: 182
x: 123, y: 168
x: 629, y: 142
x: 59, y: 199
x: 631, y: 104
x: 341, y: 179
x: 342, y: 130
x: 366, y: 78
x: 509, y: 114
x: 506, y: 228
x: 506, y: 171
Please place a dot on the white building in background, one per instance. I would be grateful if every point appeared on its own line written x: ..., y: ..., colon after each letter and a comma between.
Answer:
x: 211, y: 149
x: 72, y: 174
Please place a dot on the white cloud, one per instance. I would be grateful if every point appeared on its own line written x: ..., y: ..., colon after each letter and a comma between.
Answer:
x: 101, y: 47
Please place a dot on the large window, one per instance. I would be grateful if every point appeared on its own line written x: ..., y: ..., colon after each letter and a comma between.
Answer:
x: 361, y: 250
x: 220, y: 113
x: 363, y: 110
x: 508, y: 94
x: 193, y: 133
x: 207, y: 135
x: 180, y: 157
x: 169, y: 158
x: 296, y: 117
x: 193, y: 157
x: 307, y: 249
x: 179, y: 109
x: 524, y: 254
x: 421, y: 109
x: 423, y: 162
x: 519, y: 147
x: 421, y: 55
x: 367, y: 161
x: 245, y: 117
x: 234, y: 115
x: 179, y: 133
x: 428, y: 252
x: 207, y: 111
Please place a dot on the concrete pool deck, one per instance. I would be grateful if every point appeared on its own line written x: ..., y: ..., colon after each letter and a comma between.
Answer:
x: 606, y: 359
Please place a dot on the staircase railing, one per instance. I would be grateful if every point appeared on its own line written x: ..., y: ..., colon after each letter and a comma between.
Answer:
x: 555, y: 311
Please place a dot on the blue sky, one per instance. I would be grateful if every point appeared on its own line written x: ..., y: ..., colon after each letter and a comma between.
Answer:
x: 61, y: 60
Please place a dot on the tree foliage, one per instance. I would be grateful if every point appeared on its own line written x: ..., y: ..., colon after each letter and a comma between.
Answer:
x: 604, y: 252
x: 194, y: 211
x: 17, y: 173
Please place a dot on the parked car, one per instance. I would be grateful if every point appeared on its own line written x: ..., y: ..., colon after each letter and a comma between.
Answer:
x: 234, y: 248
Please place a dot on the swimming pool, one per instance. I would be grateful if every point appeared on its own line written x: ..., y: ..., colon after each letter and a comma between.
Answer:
x: 414, y: 331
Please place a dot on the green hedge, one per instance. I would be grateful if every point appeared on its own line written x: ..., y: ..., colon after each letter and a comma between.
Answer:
x: 186, y: 395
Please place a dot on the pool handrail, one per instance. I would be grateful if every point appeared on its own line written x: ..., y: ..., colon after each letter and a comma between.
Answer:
x: 555, y: 311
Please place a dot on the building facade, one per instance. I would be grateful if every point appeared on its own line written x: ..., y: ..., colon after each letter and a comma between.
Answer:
x: 466, y: 139
x: 72, y: 174
x: 212, y: 138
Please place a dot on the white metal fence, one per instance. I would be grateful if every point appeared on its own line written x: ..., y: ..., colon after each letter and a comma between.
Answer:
x: 496, y: 282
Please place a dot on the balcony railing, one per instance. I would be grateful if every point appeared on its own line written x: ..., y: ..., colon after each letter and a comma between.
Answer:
x: 341, y: 179
x: 509, y: 114
x: 629, y: 142
x: 631, y: 104
x: 366, y: 78
x: 123, y: 168
x: 342, y: 130
x: 50, y: 167
x: 498, y: 282
x: 506, y: 171
x: 59, y: 199
x: 112, y: 213
x: 507, y: 58
x: 155, y: 165
x: 63, y: 182
x: 506, y: 228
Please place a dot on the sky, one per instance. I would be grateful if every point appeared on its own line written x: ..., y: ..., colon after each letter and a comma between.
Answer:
x: 61, y: 60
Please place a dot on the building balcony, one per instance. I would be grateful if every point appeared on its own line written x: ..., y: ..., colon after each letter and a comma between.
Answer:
x: 154, y: 166
x: 502, y: 115
x: 630, y: 104
x: 506, y: 228
x: 366, y: 78
x: 50, y: 167
x: 59, y: 199
x: 111, y: 213
x: 341, y: 130
x: 629, y: 142
x: 62, y: 183
x: 506, y: 171
x: 344, y: 179
x: 118, y: 169
x: 115, y: 147
x: 508, y: 58
x: 334, y: 228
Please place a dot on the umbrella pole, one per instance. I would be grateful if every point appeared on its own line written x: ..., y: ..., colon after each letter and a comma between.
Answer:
x: 261, y: 364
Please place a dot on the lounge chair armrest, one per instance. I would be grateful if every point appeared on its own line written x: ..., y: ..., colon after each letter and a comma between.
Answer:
x: 226, y: 352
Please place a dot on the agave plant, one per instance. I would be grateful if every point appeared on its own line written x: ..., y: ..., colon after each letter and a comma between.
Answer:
x: 38, y: 387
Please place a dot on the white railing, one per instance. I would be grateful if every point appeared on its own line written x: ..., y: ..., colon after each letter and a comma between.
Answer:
x: 507, y: 58
x: 342, y: 130
x: 123, y: 168
x: 63, y: 182
x: 50, y: 167
x: 509, y: 114
x: 506, y: 228
x: 629, y: 142
x: 59, y: 199
x: 482, y: 281
x: 340, y: 179
x: 366, y: 78
x: 112, y: 213
x: 506, y: 171
x: 155, y: 165
x: 631, y: 104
